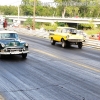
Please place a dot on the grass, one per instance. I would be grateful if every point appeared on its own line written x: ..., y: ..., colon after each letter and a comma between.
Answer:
x: 92, y: 31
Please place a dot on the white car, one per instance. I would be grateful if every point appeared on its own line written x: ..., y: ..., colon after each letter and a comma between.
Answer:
x: 81, y: 32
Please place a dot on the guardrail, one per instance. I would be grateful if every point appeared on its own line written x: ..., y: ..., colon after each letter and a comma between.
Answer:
x: 40, y: 33
x: 56, y: 19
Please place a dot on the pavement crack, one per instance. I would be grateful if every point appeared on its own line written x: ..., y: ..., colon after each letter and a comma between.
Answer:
x: 54, y: 85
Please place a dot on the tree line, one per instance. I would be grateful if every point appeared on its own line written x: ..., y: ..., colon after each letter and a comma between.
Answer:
x: 60, y: 8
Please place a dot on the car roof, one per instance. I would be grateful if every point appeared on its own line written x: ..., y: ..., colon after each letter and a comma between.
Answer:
x: 7, y: 31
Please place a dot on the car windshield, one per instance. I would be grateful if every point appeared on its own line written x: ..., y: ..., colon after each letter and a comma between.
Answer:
x: 73, y: 30
x: 8, y: 36
x: 66, y: 30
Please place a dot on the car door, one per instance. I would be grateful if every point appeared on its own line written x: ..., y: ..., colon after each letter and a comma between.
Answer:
x: 57, y: 34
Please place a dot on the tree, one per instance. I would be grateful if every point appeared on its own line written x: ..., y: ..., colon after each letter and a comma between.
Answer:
x: 62, y: 6
x: 65, y: 6
x: 8, y: 10
x: 27, y: 7
x: 28, y: 22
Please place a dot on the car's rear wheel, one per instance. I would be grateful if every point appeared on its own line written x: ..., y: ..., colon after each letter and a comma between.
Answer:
x: 80, y: 45
x: 52, y: 41
x: 24, y: 55
x: 63, y: 43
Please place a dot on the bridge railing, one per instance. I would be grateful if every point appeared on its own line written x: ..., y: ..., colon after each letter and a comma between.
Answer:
x: 57, y: 19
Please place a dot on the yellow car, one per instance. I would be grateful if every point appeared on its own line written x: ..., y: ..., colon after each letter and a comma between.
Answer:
x: 67, y: 36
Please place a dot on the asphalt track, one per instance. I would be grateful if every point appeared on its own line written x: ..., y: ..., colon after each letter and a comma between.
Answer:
x: 51, y: 73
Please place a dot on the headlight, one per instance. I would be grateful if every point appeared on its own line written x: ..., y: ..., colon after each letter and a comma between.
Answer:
x: 24, y: 48
x: 26, y: 44
x: 2, y: 45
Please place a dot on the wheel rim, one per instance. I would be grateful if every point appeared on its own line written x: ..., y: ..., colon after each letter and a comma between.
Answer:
x: 51, y: 40
x: 63, y: 44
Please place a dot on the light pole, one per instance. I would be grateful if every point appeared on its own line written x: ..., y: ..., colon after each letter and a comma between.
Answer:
x: 18, y: 13
x: 34, y: 14
x: 18, y: 21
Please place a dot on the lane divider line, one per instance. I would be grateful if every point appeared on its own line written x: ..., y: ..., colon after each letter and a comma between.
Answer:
x: 71, y: 61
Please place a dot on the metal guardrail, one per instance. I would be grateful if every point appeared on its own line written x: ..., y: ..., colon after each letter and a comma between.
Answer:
x: 56, y: 19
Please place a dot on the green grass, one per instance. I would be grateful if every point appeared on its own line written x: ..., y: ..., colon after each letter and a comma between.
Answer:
x: 92, y: 31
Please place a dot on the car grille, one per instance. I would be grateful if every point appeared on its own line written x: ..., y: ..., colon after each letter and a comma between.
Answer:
x: 75, y: 40
x: 14, y: 49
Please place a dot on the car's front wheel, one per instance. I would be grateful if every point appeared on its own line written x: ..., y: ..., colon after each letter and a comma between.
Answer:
x: 80, y: 45
x: 68, y: 44
x: 1, y: 56
x: 24, y: 55
x: 63, y: 43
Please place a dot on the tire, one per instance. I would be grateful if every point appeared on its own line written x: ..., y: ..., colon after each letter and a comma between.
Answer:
x: 68, y: 44
x: 63, y: 43
x: 1, y: 56
x: 52, y: 41
x: 80, y: 45
x: 24, y: 55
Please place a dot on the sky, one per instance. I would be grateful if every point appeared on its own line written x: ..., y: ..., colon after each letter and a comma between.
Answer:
x: 17, y: 2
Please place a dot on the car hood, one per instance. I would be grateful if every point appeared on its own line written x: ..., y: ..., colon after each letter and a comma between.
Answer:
x: 12, y: 42
x: 76, y: 37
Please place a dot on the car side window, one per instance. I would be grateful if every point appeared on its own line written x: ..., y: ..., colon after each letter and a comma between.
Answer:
x: 3, y: 35
x: 58, y: 30
x: 13, y: 35
x: 64, y: 30
x: 68, y: 31
x: 7, y: 35
x: 16, y: 36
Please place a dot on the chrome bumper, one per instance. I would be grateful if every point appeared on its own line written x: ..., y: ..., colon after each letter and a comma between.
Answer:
x: 75, y: 40
x: 13, y: 53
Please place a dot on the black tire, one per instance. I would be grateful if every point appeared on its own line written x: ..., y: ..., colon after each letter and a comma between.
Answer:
x: 68, y: 44
x: 52, y: 41
x: 80, y: 45
x: 24, y: 55
x: 63, y: 44
x: 1, y: 56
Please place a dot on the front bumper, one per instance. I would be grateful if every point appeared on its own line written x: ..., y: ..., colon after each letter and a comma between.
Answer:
x: 13, y: 53
x: 75, y: 40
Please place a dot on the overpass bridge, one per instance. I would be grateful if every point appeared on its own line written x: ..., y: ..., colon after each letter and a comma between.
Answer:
x: 56, y: 19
